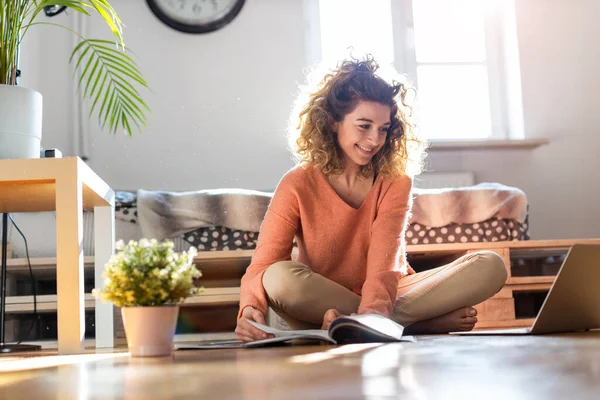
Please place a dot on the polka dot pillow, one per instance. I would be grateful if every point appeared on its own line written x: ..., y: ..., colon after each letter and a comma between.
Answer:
x: 492, y: 230
x: 126, y: 206
x: 215, y: 238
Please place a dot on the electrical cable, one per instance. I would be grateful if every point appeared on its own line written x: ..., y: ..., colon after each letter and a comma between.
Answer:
x: 32, y: 280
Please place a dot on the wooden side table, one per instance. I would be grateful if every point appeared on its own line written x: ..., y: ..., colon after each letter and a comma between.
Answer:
x: 67, y: 186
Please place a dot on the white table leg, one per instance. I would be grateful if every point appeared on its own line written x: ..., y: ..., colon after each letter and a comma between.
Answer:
x: 69, y: 266
x: 104, y: 239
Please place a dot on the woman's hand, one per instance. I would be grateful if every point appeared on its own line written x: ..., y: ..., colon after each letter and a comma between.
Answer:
x: 329, y: 316
x: 245, y: 331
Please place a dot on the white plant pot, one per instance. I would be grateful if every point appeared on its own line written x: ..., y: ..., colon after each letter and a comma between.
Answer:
x: 20, y: 122
x: 150, y: 330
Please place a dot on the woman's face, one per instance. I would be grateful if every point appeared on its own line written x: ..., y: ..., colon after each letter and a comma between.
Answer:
x: 362, y: 132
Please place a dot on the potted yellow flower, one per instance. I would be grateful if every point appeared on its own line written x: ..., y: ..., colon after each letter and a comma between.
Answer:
x: 149, y: 280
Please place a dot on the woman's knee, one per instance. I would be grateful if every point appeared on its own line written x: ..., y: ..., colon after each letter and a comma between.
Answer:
x: 491, y: 268
x: 282, y: 280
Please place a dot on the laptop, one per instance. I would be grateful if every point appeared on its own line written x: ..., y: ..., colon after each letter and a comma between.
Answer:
x: 573, y: 303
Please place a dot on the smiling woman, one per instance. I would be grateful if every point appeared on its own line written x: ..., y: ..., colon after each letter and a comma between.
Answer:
x: 369, y: 107
x: 363, y: 132
x: 347, y: 205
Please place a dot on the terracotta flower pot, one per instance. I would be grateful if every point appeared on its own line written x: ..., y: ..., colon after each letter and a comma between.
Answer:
x: 150, y: 330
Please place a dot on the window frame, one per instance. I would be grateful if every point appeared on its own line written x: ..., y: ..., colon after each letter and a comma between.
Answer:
x: 502, y: 65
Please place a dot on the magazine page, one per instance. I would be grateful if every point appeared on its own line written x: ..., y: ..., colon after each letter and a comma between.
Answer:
x: 367, y: 328
x: 281, y: 337
x: 233, y: 344
x: 306, y: 333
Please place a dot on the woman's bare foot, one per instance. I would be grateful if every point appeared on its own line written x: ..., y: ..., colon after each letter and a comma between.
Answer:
x: 462, y: 319
x: 329, y: 316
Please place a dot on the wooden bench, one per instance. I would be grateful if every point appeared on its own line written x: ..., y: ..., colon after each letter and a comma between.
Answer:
x: 532, y: 266
x: 211, y: 315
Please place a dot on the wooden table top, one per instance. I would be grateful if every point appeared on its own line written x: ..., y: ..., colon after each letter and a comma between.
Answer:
x: 29, y: 185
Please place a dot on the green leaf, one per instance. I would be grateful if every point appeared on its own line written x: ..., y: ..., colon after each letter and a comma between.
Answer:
x: 110, y: 74
x: 87, y: 66
x: 99, y: 47
x: 133, y: 75
x: 138, y: 119
x: 96, y: 85
x: 98, y: 96
x: 126, y: 124
x: 133, y: 93
x: 128, y: 102
x: 107, y: 95
x: 72, y: 4
x: 109, y: 107
x: 114, y: 118
x: 110, y: 17
x: 76, y: 49
x: 119, y: 62
x: 85, y: 92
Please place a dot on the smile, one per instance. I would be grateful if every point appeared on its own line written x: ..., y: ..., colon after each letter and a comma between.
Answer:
x: 365, y: 150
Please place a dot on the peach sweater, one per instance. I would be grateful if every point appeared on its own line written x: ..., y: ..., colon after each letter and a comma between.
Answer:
x: 361, y: 249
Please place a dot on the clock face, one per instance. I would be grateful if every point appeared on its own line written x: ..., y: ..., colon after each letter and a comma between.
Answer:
x: 196, y: 16
x: 52, y: 11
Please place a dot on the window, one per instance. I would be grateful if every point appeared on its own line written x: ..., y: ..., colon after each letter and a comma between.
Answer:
x: 366, y: 26
x: 452, y: 75
x: 457, y: 53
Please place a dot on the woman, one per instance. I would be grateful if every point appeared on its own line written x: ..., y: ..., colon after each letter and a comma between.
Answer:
x: 347, y: 203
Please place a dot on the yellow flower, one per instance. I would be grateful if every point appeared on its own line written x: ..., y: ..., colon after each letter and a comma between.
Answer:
x: 130, y: 297
x: 149, y: 272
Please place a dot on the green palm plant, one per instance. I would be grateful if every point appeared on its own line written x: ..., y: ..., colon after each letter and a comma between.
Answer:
x: 109, y: 76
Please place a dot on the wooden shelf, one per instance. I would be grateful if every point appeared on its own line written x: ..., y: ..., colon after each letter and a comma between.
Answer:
x: 214, y: 296
x: 530, y: 287
x: 222, y: 258
x: 223, y: 255
x: 513, y: 244
x: 202, y: 258
x: 45, y: 303
x: 520, y: 280
x: 40, y: 264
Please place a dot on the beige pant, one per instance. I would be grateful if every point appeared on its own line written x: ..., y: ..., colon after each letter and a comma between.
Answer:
x: 301, y: 297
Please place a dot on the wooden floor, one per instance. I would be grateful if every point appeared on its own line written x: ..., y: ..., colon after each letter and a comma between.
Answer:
x: 565, y: 366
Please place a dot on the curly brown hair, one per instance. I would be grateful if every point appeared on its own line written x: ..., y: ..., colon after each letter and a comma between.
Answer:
x: 337, y: 94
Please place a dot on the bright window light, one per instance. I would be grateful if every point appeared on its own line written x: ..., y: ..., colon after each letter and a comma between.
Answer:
x: 454, y: 102
x: 363, y: 25
x: 445, y: 55
x: 449, y: 31
x: 452, y: 77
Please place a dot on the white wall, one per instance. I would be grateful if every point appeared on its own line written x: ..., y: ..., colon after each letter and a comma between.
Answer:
x: 220, y: 101
x: 220, y: 105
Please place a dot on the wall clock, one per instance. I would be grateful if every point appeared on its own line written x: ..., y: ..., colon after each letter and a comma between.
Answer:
x: 52, y: 11
x: 196, y: 16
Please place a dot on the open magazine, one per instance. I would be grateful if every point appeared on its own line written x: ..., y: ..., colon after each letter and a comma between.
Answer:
x: 366, y: 328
